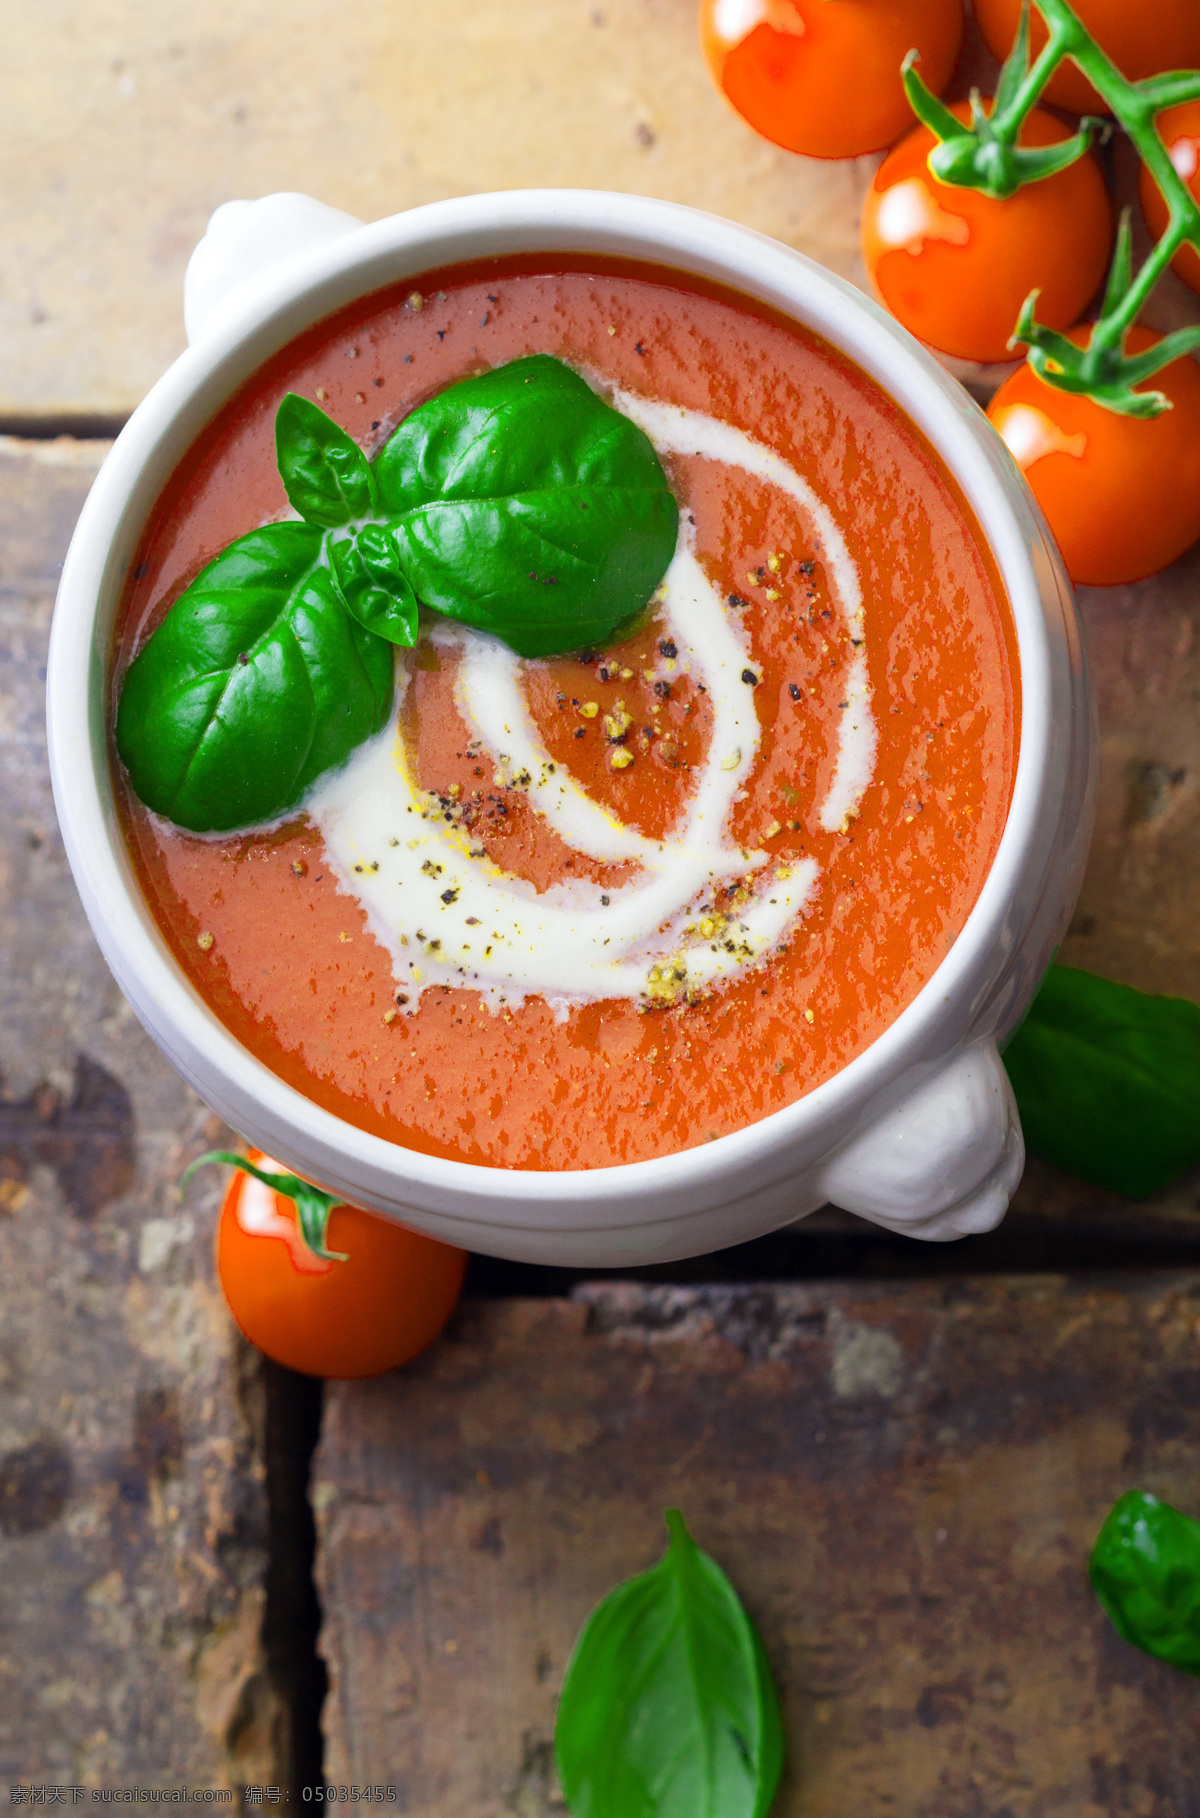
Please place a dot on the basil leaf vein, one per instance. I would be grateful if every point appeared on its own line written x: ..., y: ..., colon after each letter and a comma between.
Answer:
x: 325, y: 474
x: 668, y: 1709
x: 1107, y: 1081
x: 373, y: 584
x: 526, y: 506
x: 257, y: 682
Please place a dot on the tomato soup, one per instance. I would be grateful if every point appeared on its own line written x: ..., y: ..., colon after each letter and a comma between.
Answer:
x: 576, y: 911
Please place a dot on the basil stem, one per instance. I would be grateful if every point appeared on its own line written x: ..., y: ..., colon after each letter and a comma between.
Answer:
x: 1107, y: 1081
x: 313, y: 1204
x: 1145, y: 1569
x: 668, y: 1709
x: 986, y: 156
x: 517, y: 501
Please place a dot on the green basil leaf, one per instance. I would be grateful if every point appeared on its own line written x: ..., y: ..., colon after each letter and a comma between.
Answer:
x: 1145, y: 1569
x: 668, y: 1709
x: 374, y: 585
x: 1107, y: 1081
x: 325, y: 473
x: 525, y: 505
x: 256, y: 683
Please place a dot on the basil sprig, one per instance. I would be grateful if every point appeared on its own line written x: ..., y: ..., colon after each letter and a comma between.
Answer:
x: 669, y: 1709
x: 1145, y: 1569
x: 517, y: 501
x: 1107, y: 1081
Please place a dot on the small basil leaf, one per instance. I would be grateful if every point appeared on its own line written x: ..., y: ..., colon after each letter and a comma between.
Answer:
x: 1107, y: 1081
x: 256, y: 683
x: 1145, y: 1569
x: 374, y: 586
x: 668, y: 1709
x: 325, y: 473
x: 525, y: 505
x: 313, y: 1205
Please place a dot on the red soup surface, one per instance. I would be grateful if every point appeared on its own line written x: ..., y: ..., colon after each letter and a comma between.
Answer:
x: 283, y: 954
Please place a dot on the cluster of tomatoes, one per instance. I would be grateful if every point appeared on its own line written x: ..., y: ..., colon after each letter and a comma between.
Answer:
x: 822, y: 77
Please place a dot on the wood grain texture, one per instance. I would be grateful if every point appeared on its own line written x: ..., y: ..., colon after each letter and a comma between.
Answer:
x: 903, y: 1483
x: 125, y: 125
x: 132, y: 1509
x: 1138, y: 917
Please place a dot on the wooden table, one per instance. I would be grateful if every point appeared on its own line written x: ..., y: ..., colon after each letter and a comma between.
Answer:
x: 900, y: 1453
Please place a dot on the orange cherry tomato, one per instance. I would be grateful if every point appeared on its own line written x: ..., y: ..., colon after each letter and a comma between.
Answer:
x: 1179, y: 128
x: 955, y: 266
x: 1141, y: 39
x: 1122, y: 494
x: 822, y: 77
x: 387, y: 1301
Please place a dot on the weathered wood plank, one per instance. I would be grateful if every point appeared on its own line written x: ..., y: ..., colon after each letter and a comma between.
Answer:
x: 132, y: 1509
x: 126, y: 125
x: 903, y: 1483
x: 1139, y: 913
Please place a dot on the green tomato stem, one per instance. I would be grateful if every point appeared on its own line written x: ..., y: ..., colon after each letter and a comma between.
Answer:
x: 1135, y: 105
x: 986, y: 156
x: 313, y: 1204
x: 1007, y: 124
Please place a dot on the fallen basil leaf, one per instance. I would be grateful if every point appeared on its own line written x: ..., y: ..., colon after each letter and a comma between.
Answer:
x: 668, y: 1709
x: 525, y: 505
x: 374, y: 586
x: 325, y: 473
x: 1145, y: 1569
x: 256, y: 683
x: 1107, y: 1081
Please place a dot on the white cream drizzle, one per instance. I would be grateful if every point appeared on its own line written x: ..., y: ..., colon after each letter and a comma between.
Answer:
x: 401, y: 854
x: 674, y: 430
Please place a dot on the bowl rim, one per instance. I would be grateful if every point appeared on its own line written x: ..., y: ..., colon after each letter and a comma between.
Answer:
x: 926, y: 1033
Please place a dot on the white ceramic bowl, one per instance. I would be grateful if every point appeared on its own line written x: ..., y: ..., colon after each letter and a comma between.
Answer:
x: 919, y: 1133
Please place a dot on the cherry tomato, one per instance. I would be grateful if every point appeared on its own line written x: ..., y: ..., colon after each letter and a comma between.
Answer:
x: 955, y: 265
x: 824, y: 78
x: 387, y: 1301
x: 1122, y: 494
x: 1141, y: 39
x: 1180, y: 131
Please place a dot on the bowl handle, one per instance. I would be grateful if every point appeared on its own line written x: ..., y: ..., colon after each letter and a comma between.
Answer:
x: 247, y: 241
x: 944, y: 1162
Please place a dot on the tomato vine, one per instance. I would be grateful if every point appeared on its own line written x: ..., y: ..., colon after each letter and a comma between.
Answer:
x: 983, y: 154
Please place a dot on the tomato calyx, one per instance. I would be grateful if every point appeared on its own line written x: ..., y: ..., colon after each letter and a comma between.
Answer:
x: 1099, y: 368
x: 985, y: 155
x: 313, y: 1205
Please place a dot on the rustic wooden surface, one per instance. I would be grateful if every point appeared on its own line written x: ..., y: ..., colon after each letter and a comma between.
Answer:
x: 1138, y: 917
x: 902, y: 1478
x: 124, y: 126
x: 132, y: 1510
x: 902, y: 1482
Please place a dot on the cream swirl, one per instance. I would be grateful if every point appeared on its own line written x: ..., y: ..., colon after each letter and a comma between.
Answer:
x: 449, y: 916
